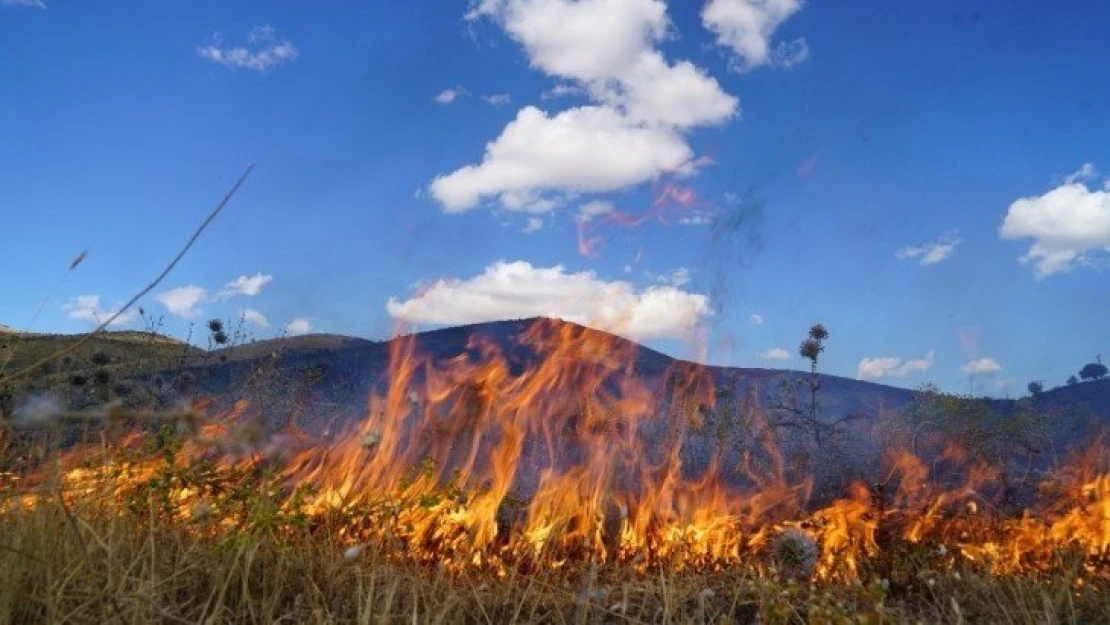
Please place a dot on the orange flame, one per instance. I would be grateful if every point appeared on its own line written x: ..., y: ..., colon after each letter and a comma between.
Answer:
x: 538, y: 456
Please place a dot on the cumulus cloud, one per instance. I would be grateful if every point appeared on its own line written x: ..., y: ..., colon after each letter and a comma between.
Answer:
x: 298, y: 326
x: 1069, y: 225
x: 448, y: 96
x: 775, y: 353
x: 183, y: 301
x: 35, y: 4
x: 581, y: 150
x: 263, y: 52
x: 581, y: 40
x: 755, y: 319
x: 633, y: 130
x: 681, y: 95
x: 930, y: 253
x: 255, y: 318
x: 247, y: 285
x: 875, y: 368
x: 88, y: 308
x: 507, y: 290
x: 746, y: 26
x: 981, y: 365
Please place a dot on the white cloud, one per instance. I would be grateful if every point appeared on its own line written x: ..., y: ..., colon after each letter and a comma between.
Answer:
x: 498, y: 99
x: 298, y: 326
x: 746, y: 28
x: 631, y: 133
x: 582, y: 40
x: 562, y: 90
x: 509, y: 290
x: 680, y: 95
x: 36, y: 4
x: 448, y: 96
x: 981, y: 365
x: 534, y: 225
x: 586, y: 149
x: 183, y: 301
x: 1086, y: 171
x: 254, y: 317
x: 775, y: 353
x: 791, y: 53
x: 674, y: 277
x: 755, y: 319
x: 1069, y: 225
x: 875, y: 368
x: 263, y: 52
x: 930, y: 253
x: 87, y: 308
x: 247, y: 285
x: 593, y: 209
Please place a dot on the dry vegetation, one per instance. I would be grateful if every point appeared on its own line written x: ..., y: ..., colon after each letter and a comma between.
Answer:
x: 84, y: 559
x: 182, y: 515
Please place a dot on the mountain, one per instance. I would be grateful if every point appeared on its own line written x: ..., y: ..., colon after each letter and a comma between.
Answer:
x: 349, y: 368
x: 344, y: 369
x: 324, y: 382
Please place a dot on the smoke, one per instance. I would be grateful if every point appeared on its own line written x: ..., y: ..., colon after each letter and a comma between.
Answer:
x: 734, y: 239
x: 38, y: 410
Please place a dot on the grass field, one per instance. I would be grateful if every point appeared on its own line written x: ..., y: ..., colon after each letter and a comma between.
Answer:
x: 83, y: 561
x: 179, y: 514
x: 139, y: 529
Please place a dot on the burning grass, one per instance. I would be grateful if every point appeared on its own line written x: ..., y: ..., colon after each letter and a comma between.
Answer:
x: 502, y: 488
x: 89, y: 560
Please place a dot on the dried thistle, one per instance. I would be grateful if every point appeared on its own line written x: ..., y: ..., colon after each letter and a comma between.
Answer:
x: 795, y: 553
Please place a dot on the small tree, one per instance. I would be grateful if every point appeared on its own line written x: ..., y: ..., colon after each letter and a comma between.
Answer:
x: 1036, y: 387
x: 1094, y: 371
x: 1072, y: 380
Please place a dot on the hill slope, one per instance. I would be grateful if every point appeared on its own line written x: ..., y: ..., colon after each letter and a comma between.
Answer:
x: 331, y: 376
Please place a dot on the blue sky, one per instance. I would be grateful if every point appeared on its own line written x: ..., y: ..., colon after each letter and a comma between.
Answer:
x: 927, y: 179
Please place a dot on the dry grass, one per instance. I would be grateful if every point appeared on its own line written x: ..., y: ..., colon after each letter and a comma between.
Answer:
x: 88, y: 558
x: 105, y: 558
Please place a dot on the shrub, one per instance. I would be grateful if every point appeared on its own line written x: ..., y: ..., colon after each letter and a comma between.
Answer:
x: 1093, y: 371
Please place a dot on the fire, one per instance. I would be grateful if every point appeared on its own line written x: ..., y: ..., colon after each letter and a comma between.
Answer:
x: 536, y: 456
